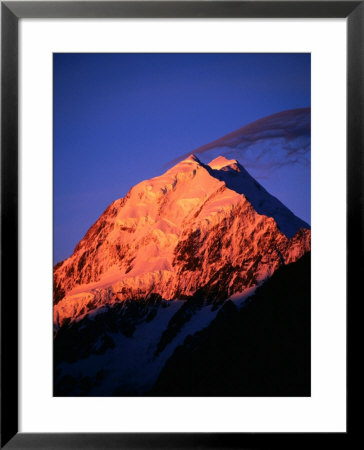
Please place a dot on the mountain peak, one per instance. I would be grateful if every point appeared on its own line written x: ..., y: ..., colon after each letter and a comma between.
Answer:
x: 221, y: 162
x: 192, y: 158
x: 172, y: 233
x: 187, y: 165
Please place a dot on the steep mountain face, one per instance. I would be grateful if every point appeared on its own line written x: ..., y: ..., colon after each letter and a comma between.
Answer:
x: 238, y: 179
x: 198, y: 229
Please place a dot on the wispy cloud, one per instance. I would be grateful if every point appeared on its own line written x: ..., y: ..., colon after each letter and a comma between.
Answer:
x: 275, y: 141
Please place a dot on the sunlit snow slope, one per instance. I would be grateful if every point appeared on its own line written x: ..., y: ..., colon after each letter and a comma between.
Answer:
x: 196, y: 226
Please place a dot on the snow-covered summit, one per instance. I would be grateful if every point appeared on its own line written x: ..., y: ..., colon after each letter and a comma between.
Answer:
x: 186, y: 164
x: 221, y: 163
x: 192, y: 158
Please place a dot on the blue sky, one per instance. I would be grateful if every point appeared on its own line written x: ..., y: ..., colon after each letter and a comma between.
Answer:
x: 120, y: 118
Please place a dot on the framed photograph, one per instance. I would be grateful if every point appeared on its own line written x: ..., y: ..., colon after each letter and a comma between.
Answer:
x: 181, y: 189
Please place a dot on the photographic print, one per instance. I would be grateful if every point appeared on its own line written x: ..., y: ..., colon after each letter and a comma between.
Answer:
x: 182, y: 232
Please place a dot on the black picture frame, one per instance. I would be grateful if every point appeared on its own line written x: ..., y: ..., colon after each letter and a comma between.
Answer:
x: 11, y: 12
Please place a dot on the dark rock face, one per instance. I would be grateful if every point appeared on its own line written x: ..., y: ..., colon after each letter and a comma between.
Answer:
x: 58, y: 292
x: 182, y: 316
x: 261, y: 350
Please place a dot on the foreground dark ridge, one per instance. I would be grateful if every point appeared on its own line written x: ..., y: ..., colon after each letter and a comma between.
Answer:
x: 262, y: 350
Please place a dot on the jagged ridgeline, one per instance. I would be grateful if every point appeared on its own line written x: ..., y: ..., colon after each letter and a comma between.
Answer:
x: 168, y: 260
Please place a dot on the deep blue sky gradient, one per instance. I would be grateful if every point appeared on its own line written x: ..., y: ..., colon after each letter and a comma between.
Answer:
x: 119, y: 118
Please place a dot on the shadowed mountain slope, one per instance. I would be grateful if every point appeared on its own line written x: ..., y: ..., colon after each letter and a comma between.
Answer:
x: 263, y: 349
